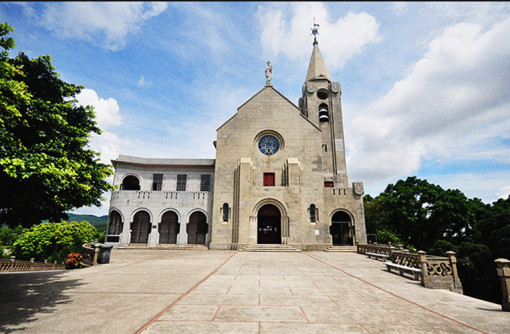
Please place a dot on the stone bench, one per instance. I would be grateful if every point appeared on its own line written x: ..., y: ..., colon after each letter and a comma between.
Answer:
x: 377, y: 255
x: 401, y: 269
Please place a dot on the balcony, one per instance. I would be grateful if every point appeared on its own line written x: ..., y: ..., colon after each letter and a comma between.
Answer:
x: 139, y: 198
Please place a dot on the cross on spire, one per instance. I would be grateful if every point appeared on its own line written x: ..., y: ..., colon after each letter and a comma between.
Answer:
x: 315, y: 32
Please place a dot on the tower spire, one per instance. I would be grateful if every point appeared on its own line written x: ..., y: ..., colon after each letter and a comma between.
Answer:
x: 317, y: 68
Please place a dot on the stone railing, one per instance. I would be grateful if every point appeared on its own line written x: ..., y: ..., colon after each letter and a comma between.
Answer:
x: 385, y: 249
x: 20, y: 265
x: 404, y: 258
x: 436, y: 272
x: 89, y: 253
x: 440, y: 272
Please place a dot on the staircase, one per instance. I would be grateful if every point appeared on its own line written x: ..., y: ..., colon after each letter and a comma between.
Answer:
x: 269, y: 248
x: 349, y: 249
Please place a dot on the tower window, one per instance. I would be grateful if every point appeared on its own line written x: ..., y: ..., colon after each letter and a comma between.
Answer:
x: 312, y: 213
x: 205, y: 182
x: 157, y: 181
x: 328, y: 184
x: 268, y: 179
x: 181, y: 182
x: 225, y: 212
x: 322, y: 94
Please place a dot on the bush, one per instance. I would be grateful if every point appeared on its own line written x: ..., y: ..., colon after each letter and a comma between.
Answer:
x: 53, y: 241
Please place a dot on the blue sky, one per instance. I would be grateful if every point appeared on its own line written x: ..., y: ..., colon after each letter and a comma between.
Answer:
x: 425, y: 86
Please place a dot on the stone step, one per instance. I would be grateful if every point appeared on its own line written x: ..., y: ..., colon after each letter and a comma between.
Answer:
x: 341, y: 249
x: 165, y: 247
x: 269, y: 248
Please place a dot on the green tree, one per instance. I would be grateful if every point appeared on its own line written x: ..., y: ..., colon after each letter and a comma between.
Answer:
x: 9, y: 235
x: 420, y: 213
x: 46, y: 167
x: 53, y: 241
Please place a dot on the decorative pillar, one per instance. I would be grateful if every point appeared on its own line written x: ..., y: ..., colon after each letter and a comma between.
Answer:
x: 457, y: 285
x: 96, y: 251
x: 503, y: 270
x: 422, y: 264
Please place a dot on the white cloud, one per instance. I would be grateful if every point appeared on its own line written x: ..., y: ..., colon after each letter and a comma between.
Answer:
x: 339, y: 40
x: 400, y: 8
x: 107, y: 116
x: 144, y: 83
x: 102, y: 23
x: 453, y: 102
x: 504, y: 192
x: 107, y: 111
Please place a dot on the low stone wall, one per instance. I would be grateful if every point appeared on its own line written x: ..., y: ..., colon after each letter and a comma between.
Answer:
x: 436, y: 272
x: 20, y: 265
x: 89, y: 253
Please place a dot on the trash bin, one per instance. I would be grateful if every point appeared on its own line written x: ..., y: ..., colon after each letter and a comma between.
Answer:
x: 104, y: 254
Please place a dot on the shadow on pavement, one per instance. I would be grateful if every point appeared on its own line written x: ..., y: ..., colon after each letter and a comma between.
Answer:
x: 25, y: 294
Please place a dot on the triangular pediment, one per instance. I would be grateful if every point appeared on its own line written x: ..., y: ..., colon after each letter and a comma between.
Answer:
x: 268, y: 98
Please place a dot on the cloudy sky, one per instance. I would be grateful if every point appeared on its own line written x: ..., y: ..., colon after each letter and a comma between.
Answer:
x: 425, y: 86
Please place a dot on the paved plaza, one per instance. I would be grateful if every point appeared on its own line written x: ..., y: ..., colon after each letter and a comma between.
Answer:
x: 172, y: 291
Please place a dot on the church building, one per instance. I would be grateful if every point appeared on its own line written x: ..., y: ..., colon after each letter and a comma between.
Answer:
x: 279, y: 177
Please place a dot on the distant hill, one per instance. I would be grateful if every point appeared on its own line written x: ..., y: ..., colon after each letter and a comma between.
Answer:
x: 98, y: 222
x: 90, y: 218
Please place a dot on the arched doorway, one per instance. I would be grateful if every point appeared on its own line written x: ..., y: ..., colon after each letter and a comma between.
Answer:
x: 115, y: 227
x: 269, y: 225
x: 140, y: 228
x: 169, y: 228
x: 341, y: 229
x: 197, y: 228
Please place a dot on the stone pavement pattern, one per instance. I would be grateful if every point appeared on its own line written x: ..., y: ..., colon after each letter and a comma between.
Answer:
x: 226, y: 292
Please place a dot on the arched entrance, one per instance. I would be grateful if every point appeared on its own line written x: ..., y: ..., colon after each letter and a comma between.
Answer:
x: 269, y: 225
x: 197, y: 228
x: 115, y: 227
x: 168, y: 228
x: 341, y: 229
x: 140, y: 228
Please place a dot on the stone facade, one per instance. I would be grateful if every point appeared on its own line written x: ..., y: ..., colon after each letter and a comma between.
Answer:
x: 279, y: 177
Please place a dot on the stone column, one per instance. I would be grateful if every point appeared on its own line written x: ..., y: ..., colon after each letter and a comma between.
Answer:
x: 503, y: 270
x: 422, y: 263
x: 457, y: 285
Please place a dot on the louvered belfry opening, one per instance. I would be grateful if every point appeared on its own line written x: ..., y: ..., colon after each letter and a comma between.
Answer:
x: 140, y: 228
x: 197, y: 228
x: 269, y: 225
x: 168, y: 228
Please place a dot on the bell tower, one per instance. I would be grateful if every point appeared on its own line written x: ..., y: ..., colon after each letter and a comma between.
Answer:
x: 321, y: 104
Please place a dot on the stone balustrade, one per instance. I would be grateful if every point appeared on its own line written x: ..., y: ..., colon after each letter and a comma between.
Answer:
x: 20, y: 265
x: 436, y: 272
x: 165, y: 196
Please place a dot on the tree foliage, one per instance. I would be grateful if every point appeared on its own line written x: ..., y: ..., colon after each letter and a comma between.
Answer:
x: 436, y: 220
x: 46, y: 167
x: 53, y: 241
x: 9, y: 235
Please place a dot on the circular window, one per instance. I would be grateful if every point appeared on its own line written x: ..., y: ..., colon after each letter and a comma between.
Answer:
x: 322, y: 94
x: 268, y: 145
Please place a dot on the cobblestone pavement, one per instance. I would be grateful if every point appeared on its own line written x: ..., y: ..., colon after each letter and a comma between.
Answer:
x: 163, y: 291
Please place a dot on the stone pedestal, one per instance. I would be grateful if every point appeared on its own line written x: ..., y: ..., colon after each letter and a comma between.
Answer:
x: 503, y: 270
